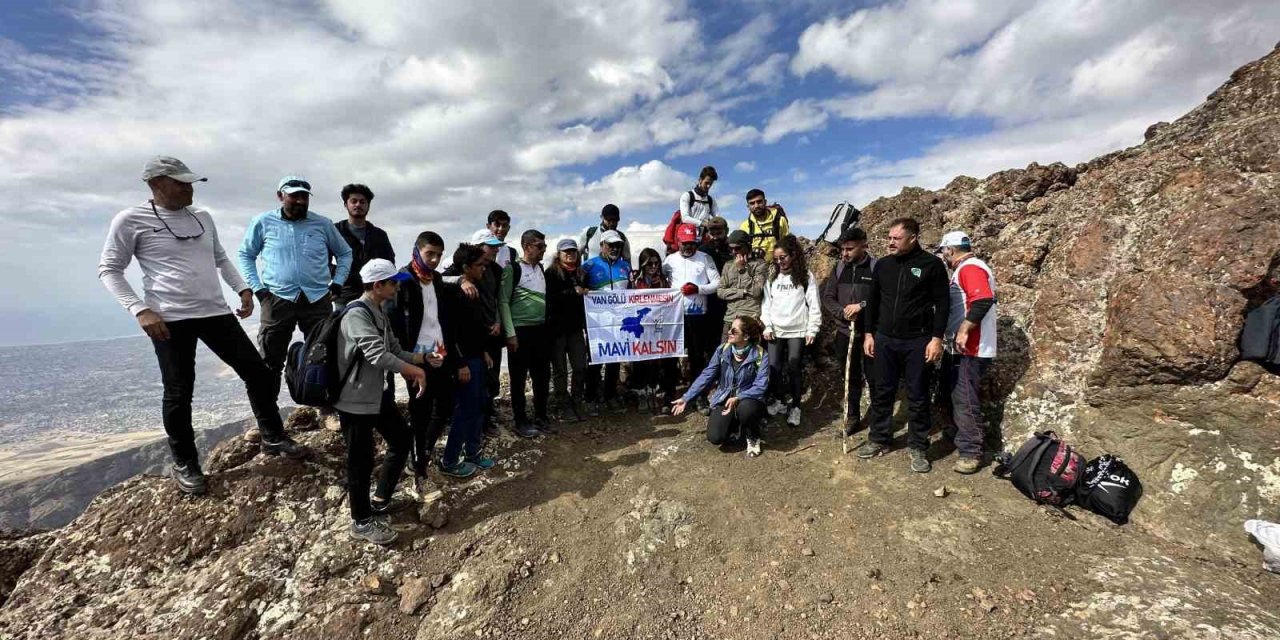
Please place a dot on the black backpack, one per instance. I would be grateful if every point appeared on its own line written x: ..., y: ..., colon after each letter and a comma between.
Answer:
x: 1110, y: 488
x: 311, y: 368
x: 1045, y: 469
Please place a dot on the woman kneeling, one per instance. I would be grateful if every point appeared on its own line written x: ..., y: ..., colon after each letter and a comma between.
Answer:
x: 740, y: 368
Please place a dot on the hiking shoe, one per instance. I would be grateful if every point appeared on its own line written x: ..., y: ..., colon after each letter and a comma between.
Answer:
x: 920, y: 461
x: 777, y: 408
x: 525, y: 429
x: 753, y: 448
x: 393, y: 505
x: 593, y: 409
x: 569, y: 411
x: 253, y: 435
x: 482, y: 462
x: 459, y: 469
x: 793, y: 418
x: 286, y: 447
x: 373, y: 530
x: 871, y: 449
x: 190, y: 478
x: 967, y: 465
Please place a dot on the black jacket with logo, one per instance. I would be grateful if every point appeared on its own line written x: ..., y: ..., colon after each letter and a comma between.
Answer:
x: 848, y: 284
x: 909, y: 297
x: 376, y: 245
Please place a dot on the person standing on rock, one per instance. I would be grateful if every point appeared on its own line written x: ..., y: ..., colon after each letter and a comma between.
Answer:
x: 741, y: 281
x: 697, y: 207
x: 295, y: 286
x: 844, y: 297
x: 766, y: 225
x: 607, y: 271
x: 716, y: 245
x: 523, y: 308
x: 970, y: 341
x: 484, y: 291
x: 567, y: 324
x: 791, y: 315
x: 905, y: 318
x: 366, y: 241
x: 654, y: 380
x: 176, y: 245
x: 367, y: 351
x: 740, y: 371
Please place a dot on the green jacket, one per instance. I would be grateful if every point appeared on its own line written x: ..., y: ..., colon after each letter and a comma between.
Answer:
x: 522, y: 301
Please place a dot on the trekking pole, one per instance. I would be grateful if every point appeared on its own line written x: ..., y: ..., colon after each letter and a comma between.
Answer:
x: 848, y: 362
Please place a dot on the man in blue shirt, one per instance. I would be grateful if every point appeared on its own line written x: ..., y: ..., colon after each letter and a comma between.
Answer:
x: 295, y: 284
x: 608, y: 270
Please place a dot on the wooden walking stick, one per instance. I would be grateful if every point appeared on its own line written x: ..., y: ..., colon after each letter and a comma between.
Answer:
x: 848, y: 362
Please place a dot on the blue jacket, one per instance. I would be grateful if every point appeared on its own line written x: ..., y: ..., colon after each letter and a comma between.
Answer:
x: 750, y: 379
x: 602, y: 274
x: 295, y: 255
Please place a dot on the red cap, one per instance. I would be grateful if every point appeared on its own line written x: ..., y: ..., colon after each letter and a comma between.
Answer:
x: 686, y: 233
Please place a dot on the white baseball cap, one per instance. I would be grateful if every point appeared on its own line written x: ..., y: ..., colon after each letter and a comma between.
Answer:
x: 611, y: 237
x: 171, y: 167
x: 485, y: 236
x: 377, y: 270
x: 956, y: 239
x: 293, y: 184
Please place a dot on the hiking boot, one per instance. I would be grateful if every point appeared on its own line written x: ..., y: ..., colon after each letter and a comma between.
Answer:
x: 525, y: 429
x: 871, y: 449
x: 393, y: 505
x: 481, y: 462
x: 373, y: 530
x: 459, y: 469
x: 777, y: 408
x: 793, y: 417
x: 544, y: 426
x: 967, y: 465
x: 253, y: 435
x: 286, y: 447
x: 920, y: 461
x: 190, y: 478
x: 753, y: 448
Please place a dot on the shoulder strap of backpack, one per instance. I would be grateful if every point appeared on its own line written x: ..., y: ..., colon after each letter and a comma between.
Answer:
x: 515, y: 278
x: 359, y: 357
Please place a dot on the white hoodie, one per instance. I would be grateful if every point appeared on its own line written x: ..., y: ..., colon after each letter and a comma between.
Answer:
x: 789, y: 311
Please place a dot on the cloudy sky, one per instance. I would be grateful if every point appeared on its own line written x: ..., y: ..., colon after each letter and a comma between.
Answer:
x: 551, y: 108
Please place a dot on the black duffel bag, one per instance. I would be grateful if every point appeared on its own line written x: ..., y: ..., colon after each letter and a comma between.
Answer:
x: 1109, y: 488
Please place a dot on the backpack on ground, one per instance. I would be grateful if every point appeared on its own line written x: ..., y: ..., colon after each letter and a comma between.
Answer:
x: 311, y: 368
x: 1045, y: 469
x: 1109, y: 488
x: 1260, y: 337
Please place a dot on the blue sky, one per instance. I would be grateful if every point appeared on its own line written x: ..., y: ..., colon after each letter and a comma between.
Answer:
x: 550, y: 109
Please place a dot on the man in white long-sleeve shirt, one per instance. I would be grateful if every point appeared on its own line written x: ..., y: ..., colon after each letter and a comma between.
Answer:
x: 177, y: 247
x: 696, y: 205
x: 695, y: 274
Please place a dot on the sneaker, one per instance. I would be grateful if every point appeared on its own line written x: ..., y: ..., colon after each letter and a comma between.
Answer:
x: 459, y: 469
x: 570, y: 412
x: 482, y: 462
x: 753, y: 448
x: 871, y: 449
x: 777, y: 408
x: 190, y: 478
x: 793, y: 417
x: 967, y: 465
x: 920, y: 461
x: 393, y: 505
x: 373, y: 530
x: 253, y: 435
x: 525, y: 429
x: 284, y: 447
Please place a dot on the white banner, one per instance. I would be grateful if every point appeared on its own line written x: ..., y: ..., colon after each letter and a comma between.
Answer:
x: 632, y: 325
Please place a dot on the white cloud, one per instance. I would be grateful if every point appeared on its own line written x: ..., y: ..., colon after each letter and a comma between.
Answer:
x: 797, y: 117
x: 771, y: 71
x: 744, y: 167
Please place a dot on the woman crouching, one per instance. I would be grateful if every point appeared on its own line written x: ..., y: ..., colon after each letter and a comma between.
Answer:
x: 741, y: 369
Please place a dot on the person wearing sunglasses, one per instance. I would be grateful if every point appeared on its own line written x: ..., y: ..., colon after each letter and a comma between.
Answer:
x: 295, y: 284
x: 176, y: 245
x: 522, y: 305
x: 653, y: 380
x: 740, y: 371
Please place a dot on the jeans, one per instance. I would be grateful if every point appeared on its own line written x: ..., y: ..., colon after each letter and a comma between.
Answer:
x: 901, y: 359
x: 748, y: 415
x: 279, y: 317
x: 177, y: 358
x: 429, y: 414
x: 358, y: 430
x: 861, y: 368
x: 468, y: 415
x: 788, y: 352
x: 530, y: 359
x: 961, y: 376
x: 569, y: 352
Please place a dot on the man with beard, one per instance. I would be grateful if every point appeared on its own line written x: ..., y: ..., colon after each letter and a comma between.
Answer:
x: 367, y: 242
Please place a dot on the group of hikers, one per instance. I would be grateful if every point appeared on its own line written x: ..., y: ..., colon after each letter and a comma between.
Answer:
x: 752, y: 312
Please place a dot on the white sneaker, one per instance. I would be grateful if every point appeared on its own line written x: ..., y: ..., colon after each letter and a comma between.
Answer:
x: 793, y: 418
x: 777, y: 408
x: 753, y: 448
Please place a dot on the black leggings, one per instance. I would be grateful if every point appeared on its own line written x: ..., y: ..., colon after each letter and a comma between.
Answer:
x: 748, y: 415
x: 792, y: 349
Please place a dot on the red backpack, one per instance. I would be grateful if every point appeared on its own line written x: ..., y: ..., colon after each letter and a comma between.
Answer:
x: 669, y: 235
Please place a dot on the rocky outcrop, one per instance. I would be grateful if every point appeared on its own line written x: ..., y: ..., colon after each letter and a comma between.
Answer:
x: 1123, y: 286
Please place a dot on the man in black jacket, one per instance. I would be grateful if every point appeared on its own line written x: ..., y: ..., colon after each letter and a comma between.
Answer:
x: 844, y: 297
x: 422, y: 318
x: 906, y: 316
x: 367, y: 241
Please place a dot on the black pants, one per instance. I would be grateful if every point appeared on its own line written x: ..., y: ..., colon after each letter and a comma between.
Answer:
x: 358, y: 430
x: 279, y: 318
x: 492, y: 380
x: 664, y: 374
x: 901, y: 359
x: 569, y: 353
x: 700, y: 341
x: 861, y: 368
x: 747, y: 415
x: 612, y: 372
x: 961, y: 377
x: 177, y: 358
x: 531, y: 359
x: 430, y: 414
x: 787, y: 354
